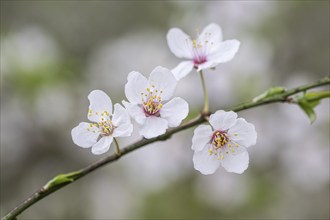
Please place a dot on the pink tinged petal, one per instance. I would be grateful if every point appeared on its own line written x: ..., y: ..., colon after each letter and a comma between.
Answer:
x: 204, y: 162
x: 243, y: 133
x: 136, y: 112
x: 222, y: 120
x: 174, y: 111
x: 179, y: 43
x: 202, y: 137
x: 122, y: 122
x: 237, y: 162
x: 102, y: 146
x: 136, y: 84
x: 83, y: 135
x: 163, y: 80
x: 99, y: 102
x: 153, y: 127
x: 183, y: 69
x: 225, y: 51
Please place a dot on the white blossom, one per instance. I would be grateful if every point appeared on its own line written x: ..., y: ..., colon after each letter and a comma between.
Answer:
x: 105, y: 125
x: 224, y: 142
x: 148, y: 102
x: 206, y: 51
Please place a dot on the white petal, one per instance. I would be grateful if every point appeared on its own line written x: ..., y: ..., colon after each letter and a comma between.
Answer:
x: 243, y: 133
x: 179, y: 43
x: 163, y: 80
x: 135, y: 112
x: 211, y: 34
x: 224, y: 52
x: 175, y: 111
x: 83, y: 137
x: 202, y: 136
x: 204, y: 162
x: 183, y: 69
x: 136, y: 84
x: 102, y: 146
x: 222, y: 120
x: 153, y: 127
x: 99, y: 102
x: 236, y: 163
x: 122, y: 122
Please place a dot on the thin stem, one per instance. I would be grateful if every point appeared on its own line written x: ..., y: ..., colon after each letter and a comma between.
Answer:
x: 283, y: 97
x: 45, y: 191
x: 206, y: 97
x: 117, y: 147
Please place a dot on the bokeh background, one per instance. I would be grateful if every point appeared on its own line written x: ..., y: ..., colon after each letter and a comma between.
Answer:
x: 53, y: 53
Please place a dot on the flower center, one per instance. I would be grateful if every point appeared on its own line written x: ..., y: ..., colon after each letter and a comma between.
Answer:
x: 200, y: 50
x: 219, y: 139
x: 199, y: 53
x: 221, y: 145
x: 151, y: 100
x: 105, y: 126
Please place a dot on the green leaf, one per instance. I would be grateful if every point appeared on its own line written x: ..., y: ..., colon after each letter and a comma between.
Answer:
x: 60, y: 179
x: 313, y: 104
x: 310, y: 100
x: 269, y: 93
x: 308, y: 109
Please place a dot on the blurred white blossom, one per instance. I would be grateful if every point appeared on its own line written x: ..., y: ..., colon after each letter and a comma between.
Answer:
x: 28, y: 49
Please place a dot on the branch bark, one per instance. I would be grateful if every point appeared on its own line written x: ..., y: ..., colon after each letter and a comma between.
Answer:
x: 50, y: 188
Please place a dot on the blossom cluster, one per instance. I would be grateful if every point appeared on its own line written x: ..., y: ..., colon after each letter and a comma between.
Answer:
x: 151, y: 104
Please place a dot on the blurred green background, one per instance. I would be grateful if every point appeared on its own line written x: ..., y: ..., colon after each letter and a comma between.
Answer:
x: 53, y: 53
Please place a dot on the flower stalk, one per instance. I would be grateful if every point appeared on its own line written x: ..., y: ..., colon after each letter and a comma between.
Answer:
x: 118, y: 152
x: 206, y: 97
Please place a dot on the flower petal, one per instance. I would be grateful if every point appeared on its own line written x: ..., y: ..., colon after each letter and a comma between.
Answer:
x: 202, y: 136
x: 122, y: 122
x: 236, y: 163
x: 99, y: 102
x: 153, y: 127
x: 212, y: 34
x: 204, y: 162
x: 83, y: 137
x: 179, y: 43
x: 135, y: 112
x: 102, y: 146
x: 222, y: 120
x: 175, y: 111
x: 183, y: 69
x: 243, y: 133
x: 136, y: 84
x: 163, y: 80
x: 224, y: 52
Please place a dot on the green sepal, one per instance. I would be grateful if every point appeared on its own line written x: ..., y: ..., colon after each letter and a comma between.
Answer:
x: 269, y: 93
